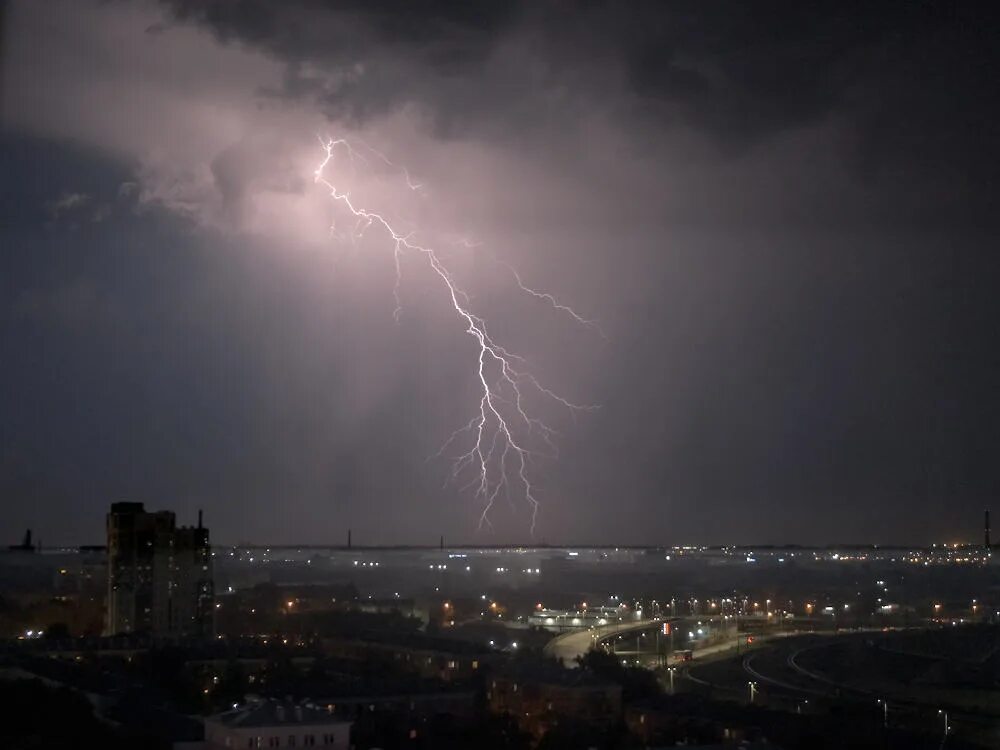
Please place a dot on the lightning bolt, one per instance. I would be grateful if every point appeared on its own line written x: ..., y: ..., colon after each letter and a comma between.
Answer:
x: 499, y: 455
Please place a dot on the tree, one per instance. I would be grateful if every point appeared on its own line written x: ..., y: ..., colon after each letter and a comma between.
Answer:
x: 636, y: 683
x: 233, y: 685
x: 30, y: 708
x: 58, y: 631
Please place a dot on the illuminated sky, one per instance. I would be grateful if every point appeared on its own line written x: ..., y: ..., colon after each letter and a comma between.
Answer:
x: 783, y: 216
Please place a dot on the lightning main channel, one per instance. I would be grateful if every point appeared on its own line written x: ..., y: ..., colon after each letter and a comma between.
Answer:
x: 499, y: 454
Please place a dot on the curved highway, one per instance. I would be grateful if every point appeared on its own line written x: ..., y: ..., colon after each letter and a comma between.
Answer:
x: 569, y: 646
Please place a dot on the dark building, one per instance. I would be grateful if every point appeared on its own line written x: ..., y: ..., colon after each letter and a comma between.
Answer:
x: 25, y: 546
x: 159, y: 574
x: 540, y: 695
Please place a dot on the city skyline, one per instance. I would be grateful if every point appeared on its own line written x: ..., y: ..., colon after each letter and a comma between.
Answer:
x: 32, y: 541
x: 780, y: 221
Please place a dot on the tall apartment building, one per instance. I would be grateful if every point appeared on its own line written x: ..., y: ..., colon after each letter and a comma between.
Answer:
x: 159, y: 574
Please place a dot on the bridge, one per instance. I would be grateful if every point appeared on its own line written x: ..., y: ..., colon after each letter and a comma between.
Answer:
x: 570, y: 646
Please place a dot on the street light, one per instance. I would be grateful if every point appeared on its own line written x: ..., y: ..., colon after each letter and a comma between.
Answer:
x: 753, y: 689
x: 671, y: 670
x: 885, y: 713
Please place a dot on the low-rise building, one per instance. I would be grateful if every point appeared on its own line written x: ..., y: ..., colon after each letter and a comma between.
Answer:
x: 277, y: 724
x: 461, y: 704
x: 438, y: 658
x: 538, y: 696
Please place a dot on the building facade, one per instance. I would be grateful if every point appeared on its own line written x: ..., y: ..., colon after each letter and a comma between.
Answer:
x: 159, y: 574
x: 539, y: 696
x: 273, y: 724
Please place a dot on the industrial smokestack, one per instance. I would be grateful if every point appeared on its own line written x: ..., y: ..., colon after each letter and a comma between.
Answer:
x: 348, y: 539
x: 199, y: 518
x: 441, y: 543
x: 987, y: 528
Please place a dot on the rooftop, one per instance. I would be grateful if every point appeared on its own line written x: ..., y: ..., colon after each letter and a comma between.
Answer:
x: 271, y: 712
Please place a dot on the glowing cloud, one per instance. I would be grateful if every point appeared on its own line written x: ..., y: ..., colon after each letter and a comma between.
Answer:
x: 496, y: 459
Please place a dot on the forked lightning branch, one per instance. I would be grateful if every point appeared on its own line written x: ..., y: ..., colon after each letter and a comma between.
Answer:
x: 491, y: 454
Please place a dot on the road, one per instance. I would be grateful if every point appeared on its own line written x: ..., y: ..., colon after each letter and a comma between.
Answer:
x: 569, y: 646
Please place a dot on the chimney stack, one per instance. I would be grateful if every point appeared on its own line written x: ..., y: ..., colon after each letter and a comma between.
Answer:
x: 348, y: 539
x: 987, y: 529
x: 199, y: 518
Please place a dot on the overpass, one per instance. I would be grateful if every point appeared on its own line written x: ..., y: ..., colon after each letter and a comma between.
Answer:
x: 569, y: 646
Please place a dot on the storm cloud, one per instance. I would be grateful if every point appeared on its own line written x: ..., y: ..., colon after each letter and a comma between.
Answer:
x: 783, y: 216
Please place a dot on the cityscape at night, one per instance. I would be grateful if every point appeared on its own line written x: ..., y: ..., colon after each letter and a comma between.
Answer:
x: 442, y: 646
x: 509, y: 375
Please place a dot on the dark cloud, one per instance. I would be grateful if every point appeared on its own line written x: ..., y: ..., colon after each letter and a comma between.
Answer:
x: 361, y: 60
x: 913, y: 84
x: 441, y: 35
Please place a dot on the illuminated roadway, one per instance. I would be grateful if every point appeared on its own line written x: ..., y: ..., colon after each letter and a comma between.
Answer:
x: 569, y: 646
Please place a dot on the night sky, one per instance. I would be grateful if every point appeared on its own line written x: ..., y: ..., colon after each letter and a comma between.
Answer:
x: 783, y: 216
